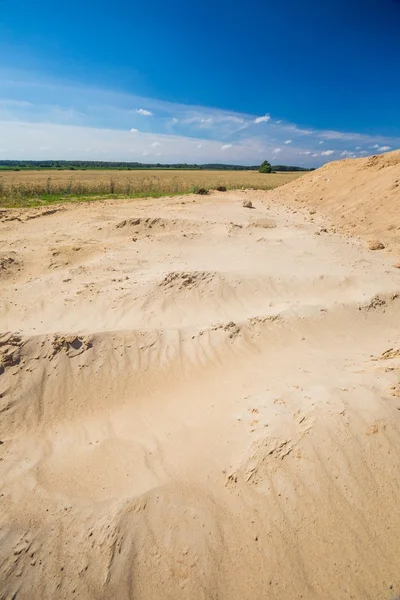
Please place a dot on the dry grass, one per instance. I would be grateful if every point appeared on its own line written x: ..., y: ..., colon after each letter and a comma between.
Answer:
x: 33, y: 188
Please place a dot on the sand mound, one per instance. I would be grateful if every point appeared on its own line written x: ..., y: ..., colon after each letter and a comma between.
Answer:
x: 156, y: 226
x: 146, y: 223
x: 62, y: 256
x: 10, y: 345
x: 197, y: 416
x: 177, y: 280
x: 10, y: 264
x: 360, y: 195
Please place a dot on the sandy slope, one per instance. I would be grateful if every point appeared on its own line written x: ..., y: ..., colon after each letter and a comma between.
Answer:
x: 361, y: 196
x: 197, y: 401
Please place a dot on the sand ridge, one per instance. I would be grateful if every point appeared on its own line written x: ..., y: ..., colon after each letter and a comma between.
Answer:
x: 198, y: 401
x: 361, y: 197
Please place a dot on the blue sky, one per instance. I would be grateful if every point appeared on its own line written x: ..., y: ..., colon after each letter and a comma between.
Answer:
x: 236, y: 82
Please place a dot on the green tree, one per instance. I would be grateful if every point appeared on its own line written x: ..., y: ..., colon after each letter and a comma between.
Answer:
x: 265, y: 167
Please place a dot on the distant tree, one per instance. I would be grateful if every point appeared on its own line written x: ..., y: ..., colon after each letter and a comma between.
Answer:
x: 265, y: 167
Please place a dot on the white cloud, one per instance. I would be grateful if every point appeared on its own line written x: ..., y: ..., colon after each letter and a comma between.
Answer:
x: 294, y: 130
x: 17, y: 103
x: 263, y: 119
x: 237, y: 120
x: 345, y: 136
x: 327, y: 153
x: 102, y: 118
x: 71, y: 142
x: 213, y: 123
x: 347, y: 153
x: 316, y: 154
x: 277, y: 150
x: 218, y: 117
x: 144, y: 112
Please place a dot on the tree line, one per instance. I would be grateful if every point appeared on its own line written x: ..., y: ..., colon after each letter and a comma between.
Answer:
x: 73, y: 165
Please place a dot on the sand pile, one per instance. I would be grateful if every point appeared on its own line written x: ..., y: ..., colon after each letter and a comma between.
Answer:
x: 361, y: 196
x: 197, y: 401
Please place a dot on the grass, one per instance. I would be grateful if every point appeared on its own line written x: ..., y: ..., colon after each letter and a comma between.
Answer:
x: 28, y: 188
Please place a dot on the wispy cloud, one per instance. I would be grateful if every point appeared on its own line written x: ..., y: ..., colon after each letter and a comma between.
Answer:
x: 263, y: 119
x: 15, y: 103
x: 144, y: 112
x: 74, y: 143
x: 294, y: 129
x: 233, y: 119
x: 103, y: 123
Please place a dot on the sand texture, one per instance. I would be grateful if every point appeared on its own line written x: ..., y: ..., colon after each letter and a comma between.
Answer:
x: 362, y: 196
x: 200, y: 400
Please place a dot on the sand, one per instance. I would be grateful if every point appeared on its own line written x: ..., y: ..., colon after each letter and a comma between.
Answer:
x: 198, y: 400
x: 362, y: 197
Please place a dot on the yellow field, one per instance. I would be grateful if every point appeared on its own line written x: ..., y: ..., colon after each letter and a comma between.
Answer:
x: 29, y: 188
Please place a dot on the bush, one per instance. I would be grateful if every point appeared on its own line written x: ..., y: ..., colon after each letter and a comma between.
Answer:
x: 221, y: 188
x: 202, y: 191
x: 265, y: 167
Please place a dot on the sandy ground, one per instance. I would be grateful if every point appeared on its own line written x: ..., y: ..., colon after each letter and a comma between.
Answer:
x: 362, y: 197
x: 198, y: 401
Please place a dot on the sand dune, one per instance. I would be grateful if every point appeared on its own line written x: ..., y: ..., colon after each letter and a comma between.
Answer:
x: 197, y: 401
x: 360, y: 196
